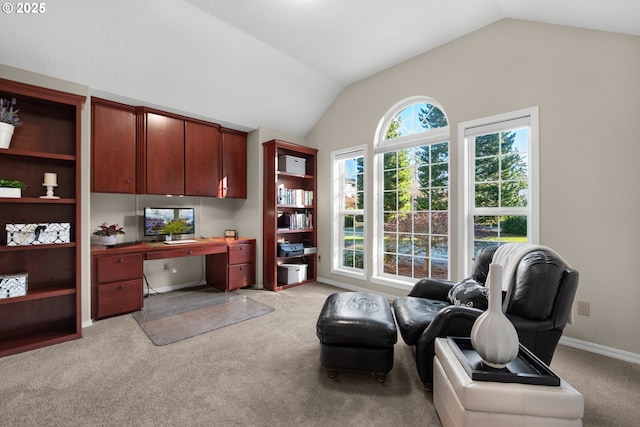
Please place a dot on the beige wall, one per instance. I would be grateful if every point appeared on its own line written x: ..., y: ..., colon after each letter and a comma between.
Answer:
x: 587, y: 86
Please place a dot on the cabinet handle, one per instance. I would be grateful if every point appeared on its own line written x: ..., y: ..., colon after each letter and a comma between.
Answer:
x: 121, y: 260
x: 127, y: 181
x: 120, y: 287
x: 190, y: 252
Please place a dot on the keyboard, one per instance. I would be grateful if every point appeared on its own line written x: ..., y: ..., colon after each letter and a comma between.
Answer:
x: 179, y: 242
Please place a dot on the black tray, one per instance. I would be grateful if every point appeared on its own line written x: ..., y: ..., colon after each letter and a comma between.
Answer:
x: 525, y: 369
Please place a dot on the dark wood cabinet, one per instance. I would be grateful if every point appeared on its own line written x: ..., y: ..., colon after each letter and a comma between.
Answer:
x: 202, y: 159
x: 234, y: 164
x: 113, y: 147
x: 236, y: 270
x: 289, y: 210
x: 47, y: 141
x: 117, y: 284
x: 138, y: 150
x: 160, y: 153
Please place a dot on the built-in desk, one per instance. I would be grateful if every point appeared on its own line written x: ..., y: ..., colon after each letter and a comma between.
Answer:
x: 117, y: 273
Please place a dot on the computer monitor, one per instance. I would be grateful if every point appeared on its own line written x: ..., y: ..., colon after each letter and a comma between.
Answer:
x: 156, y: 218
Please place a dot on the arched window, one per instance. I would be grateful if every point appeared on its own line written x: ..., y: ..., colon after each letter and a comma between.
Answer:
x: 412, y: 197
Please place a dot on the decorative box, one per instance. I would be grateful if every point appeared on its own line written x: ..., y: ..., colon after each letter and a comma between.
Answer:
x: 291, y: 164
x: 38, y: 234
x: 13, y: 285
x: 292, y: 273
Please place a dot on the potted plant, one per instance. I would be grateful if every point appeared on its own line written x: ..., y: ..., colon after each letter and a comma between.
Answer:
x: 8, y: 121
x: 175, y: 226
x: 11, y: 188
x: 108, y: 233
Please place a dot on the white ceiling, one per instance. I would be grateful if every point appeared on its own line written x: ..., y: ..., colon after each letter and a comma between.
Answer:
x: 250, y: 63
x: 348, y: 40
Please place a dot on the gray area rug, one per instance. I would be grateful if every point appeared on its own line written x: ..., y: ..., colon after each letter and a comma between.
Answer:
x: 175, y: 316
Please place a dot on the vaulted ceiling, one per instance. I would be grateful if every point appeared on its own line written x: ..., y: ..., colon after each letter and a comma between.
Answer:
x: 250, y: 63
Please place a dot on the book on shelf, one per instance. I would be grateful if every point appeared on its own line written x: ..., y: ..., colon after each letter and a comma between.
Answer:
x: 295, y: 220
x: 294, y: 196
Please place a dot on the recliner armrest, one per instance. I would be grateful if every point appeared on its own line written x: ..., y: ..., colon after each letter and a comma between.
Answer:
x: 431, y: 288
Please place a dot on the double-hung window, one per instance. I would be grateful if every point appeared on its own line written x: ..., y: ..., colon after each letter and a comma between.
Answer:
x: 349, y: 214
x: 500, y: 194
x: 412, y: 194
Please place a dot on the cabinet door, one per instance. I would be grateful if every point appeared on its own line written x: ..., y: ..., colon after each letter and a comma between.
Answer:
x: 234, y: 164
x: 113, y: 147
x: 164, y: 155
x: 202, y: 159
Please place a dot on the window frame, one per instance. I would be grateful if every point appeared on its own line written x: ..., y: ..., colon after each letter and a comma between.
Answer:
x: 337, y: 212
x: 467, y: 131
x: 381, y: 146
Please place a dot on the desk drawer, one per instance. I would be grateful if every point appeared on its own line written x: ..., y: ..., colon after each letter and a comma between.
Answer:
x: 118, y: 267
x: 241, y: 275
x: 181, y: 252
x: 119, y: 298
x: 240, y: 254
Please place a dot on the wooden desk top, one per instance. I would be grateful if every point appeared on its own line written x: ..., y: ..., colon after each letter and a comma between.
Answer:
x: 203, y: 246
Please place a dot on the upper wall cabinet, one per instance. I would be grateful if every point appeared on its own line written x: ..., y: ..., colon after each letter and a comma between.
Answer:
x: 160, y: 153
x: 234, y: 164
x: 138, y: 150
x: 113, y: 147
x: 202, y: 159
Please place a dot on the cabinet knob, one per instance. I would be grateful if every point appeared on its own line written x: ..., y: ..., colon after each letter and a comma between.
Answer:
x: 127, y: 181
x: 190, y: 252
x: 121, y: 260
x: 120, y: 287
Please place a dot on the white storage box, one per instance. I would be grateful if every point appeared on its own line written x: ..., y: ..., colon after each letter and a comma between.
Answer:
x: 291, y: 164
x: 292, y: 273
x: 13, y: 285
x: 38, y: 234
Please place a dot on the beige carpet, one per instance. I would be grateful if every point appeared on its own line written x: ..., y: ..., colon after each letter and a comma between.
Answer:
x: 174, y: 316
x: 261, y: 372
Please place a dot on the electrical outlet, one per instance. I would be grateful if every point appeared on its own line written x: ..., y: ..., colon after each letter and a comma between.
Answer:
x: 583, y: 308
x: 166, y: 266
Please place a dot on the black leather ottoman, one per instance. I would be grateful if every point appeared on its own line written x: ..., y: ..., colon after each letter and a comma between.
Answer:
x: 357, y: 331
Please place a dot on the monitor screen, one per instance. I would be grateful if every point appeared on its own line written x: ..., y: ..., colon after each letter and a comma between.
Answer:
x: 155, y: 219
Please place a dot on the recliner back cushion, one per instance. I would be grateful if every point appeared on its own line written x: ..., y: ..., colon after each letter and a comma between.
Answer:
x: 537, y: 282
x: 480, y: 268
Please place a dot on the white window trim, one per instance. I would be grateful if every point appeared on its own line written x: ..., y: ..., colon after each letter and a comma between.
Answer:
x: 381, y: 145
x: 471, y: 128
x: 336, y: 265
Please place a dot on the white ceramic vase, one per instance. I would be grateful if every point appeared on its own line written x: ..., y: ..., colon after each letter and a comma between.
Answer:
x: 493, y: 336
x: 6, y: 132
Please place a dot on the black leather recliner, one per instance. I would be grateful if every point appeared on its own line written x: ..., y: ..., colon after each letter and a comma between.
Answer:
x: 539, y: 307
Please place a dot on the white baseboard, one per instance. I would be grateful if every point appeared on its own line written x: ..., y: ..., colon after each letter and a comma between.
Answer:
x: 614, y: 353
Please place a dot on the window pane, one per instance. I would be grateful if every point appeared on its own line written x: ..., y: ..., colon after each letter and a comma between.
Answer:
x: 487, y: 195
x: 440, y: 199
x: 440, y: 175
x: 421, y: 245
x: 405, y: 223
x: 440, y: 153
x: 440, y: 223
x: 390, y: 201
x: 390, y: 263
x: 487, y: 145
x: 390, y: 242
x: 421, y: 222
x: 390, y: 222
x: 405, y: 243
x: 487, y: 169
x: 415, y: 118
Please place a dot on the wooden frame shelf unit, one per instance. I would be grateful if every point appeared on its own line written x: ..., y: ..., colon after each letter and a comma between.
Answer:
x: 49, y: 140
x: 276, y: 229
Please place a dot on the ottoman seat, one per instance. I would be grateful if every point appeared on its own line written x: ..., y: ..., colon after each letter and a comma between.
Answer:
x: 357, y: 331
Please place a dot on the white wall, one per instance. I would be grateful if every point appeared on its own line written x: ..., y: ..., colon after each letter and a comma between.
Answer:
x: 587, y: 86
